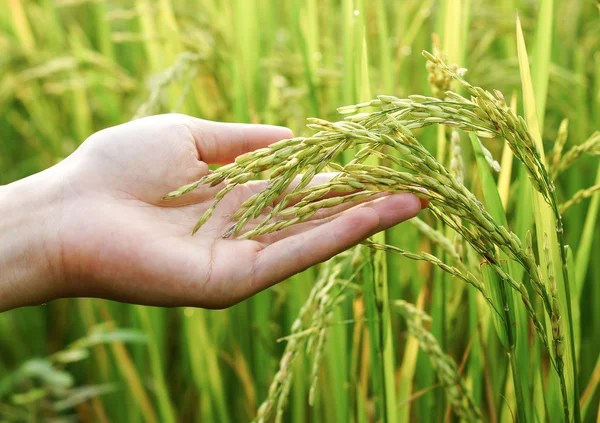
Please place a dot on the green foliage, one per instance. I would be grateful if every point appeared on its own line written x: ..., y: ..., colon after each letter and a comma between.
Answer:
x: 44, y: 388
x: 72, y: 67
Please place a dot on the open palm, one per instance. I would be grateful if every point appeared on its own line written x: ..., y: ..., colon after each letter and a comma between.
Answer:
x: 119, y: 240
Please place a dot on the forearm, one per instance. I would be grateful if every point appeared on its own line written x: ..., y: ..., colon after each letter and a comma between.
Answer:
x: 28, y: 248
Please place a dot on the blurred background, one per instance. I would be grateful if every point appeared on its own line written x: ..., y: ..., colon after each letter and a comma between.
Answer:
x: 69, y: 68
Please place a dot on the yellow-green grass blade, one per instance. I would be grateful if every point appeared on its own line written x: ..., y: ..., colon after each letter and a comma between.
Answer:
x: 21, y: 26
x: 348, y: 46
x: 476, y: 362
x: 82, y: 119
x: 542, y: 215
x: 260, y: 307
x: 300, y: 286
x: 359, y: 361
x: 386, y: 70
x: 103, y: 29
x: 506, y: 164
x: 589, y: 394
x: 409, y: 365
x: 587, y: 269
x: 585, y: 251
x: 523, y: 209
x: 542, y: 57
x: 513, y: 327
x: 149, y: 31
x: 440, y: 296
x: 504, y: 180
x: 405, y: 278
x: 547, y: 226
x: 305, y: 28
x: 539, y: 395
x: 392, y: 23
x: 244, y: 62
x: 105, y: 372
x: 336, y: 393
x: 409, y: 29
x: 454, y: 25
x: 375, y: 337
x: 205, y: 366
x: 576, y: 312
x: 165, y: 407
x: 380, y: 272
x: 129, y: 373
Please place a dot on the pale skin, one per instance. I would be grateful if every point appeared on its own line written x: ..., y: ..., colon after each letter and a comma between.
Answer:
x: 95, y: 225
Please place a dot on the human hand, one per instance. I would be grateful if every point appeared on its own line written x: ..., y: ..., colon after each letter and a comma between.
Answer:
x: 95, y: 224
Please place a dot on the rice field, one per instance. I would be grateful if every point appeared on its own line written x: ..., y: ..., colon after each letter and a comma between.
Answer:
x: 484, y: 308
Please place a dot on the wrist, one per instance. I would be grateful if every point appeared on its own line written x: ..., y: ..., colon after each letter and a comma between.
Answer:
x: 29, y: 248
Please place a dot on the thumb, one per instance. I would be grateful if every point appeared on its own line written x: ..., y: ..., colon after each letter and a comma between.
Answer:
x: 221, y: 143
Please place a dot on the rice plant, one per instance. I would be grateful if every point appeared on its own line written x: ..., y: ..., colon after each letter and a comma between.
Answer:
x: 388, y: 135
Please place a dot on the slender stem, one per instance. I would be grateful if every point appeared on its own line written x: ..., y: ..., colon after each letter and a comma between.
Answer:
x: 386, y: 339
x: 565, y: 271
x: 518, y: 391
x: 510, y: 351
x: 440, y: 280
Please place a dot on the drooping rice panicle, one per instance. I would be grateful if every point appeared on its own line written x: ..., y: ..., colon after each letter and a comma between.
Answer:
x: 442, y: 188
x: 279, y: 388
x: 559, y: 145
x: 445, y: 367
x: 309, y: 331
x: 392, y: 127
x: 590, y: 146
x: 495, y: 113
x: 457, y: 170
x: 578, y: 197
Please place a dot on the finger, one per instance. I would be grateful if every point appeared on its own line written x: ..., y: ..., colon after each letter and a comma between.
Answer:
x: 294, y: 254
x: 220, y: 143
